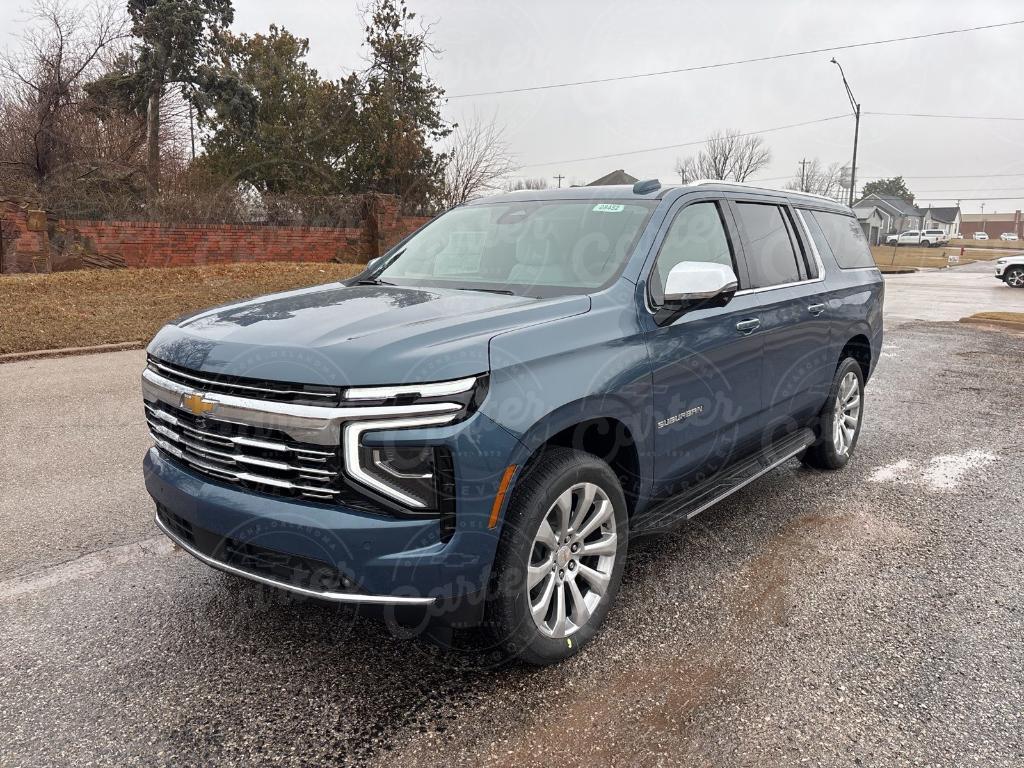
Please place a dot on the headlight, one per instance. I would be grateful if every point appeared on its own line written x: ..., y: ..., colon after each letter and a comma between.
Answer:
x: 418, y: 478
x: 402, y: 469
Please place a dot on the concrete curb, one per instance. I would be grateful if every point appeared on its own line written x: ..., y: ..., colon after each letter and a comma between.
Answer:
x: 42, y: 354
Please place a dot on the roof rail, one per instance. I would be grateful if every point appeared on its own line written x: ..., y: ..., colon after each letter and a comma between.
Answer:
x: 750, y: 185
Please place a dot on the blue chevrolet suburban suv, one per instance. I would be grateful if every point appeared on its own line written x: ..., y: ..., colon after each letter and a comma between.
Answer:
x: 471, y: 431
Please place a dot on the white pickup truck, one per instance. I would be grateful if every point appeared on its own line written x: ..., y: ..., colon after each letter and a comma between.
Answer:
x: 922, y: 237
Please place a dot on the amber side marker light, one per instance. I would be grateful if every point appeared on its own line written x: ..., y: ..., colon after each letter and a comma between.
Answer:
x: 499, y: 497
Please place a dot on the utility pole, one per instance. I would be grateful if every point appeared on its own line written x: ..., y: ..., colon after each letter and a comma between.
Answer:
x: 192, y: 129
x: 803, y: 175
x: 856, y: 129
x: 559, y: 178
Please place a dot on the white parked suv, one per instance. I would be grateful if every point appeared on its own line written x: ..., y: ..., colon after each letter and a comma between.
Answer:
x: 981, y: 236
x: 1008, y: 236
x: 925, y: 237
x: 1010, y: 269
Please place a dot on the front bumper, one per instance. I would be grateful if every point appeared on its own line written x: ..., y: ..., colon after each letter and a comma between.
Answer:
x: 322, y: 594
x: 384, y: 560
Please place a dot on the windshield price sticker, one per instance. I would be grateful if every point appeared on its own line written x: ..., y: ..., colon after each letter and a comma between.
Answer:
x: 609, y: 208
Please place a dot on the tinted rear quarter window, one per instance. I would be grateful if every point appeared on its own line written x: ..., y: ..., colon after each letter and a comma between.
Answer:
x: 771, y: 252
x: 844, y: 238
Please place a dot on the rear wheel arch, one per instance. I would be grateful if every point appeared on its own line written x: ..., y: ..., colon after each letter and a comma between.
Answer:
x: 859, y: 348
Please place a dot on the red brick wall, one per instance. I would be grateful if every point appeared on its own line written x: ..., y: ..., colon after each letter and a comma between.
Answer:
x: 35, y: 242
x: 150, y: 244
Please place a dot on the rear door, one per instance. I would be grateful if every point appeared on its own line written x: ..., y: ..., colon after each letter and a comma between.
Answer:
x: 706, y: 365
x: 787, y: 279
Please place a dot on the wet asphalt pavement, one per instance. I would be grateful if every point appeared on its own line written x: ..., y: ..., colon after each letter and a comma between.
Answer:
x: 872, y: 616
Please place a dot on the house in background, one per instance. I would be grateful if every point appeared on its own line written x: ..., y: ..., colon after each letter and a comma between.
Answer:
x: 615, y: 177
x: 883, y: 215
x: 947, y: 219
x: 993, y: 224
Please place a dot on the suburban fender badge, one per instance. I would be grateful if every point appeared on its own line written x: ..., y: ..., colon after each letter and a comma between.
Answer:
x: 680, y: 416
x: 196, y: 404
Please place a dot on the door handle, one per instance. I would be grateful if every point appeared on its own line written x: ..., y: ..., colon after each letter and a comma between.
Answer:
x: 816, y: 309
x: 747, y: 327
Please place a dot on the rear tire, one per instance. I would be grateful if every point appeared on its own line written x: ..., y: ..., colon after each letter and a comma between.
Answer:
x: 560, y: 558
x: 840, y: 419
x: 1014, y: 277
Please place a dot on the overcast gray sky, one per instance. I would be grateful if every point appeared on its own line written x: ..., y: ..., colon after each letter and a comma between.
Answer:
x: 493, y: 45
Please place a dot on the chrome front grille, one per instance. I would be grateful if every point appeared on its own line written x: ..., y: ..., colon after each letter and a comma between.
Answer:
x: 247, y: 387
x: 234, y: 453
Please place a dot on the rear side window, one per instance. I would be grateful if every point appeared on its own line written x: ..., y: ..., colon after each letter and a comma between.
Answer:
x: 844, y: 238
x: 771, y: 246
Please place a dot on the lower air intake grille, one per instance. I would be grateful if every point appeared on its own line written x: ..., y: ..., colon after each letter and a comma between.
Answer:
x: 305, y: 572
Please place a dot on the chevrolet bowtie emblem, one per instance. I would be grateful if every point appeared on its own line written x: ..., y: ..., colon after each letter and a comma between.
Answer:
x: 197, y: 404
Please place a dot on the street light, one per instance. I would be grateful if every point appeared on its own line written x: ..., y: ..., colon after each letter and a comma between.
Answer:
x: 856, y: 129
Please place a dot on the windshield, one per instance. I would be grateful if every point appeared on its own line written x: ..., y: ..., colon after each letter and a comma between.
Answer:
x: 529, y: 248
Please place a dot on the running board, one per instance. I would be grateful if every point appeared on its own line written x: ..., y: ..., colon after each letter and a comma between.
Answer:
x: 667, y: 514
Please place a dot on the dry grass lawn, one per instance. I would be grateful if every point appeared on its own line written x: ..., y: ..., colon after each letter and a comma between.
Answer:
x: 86, y: 307
x: 1003, y: 317
x: 904, y: 256
x: 995, y: 244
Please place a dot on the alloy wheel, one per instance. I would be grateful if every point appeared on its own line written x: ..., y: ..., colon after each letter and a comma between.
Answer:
x: 1016, y: 278
x: 846, y: 414
x: 571, y: 560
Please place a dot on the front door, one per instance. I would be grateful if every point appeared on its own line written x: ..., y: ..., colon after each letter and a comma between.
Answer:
x: 706, y: 365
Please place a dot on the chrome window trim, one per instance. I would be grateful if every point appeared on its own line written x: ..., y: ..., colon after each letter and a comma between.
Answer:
x: 337, y: 597
x: 439, y: 389
x: 350, y: 447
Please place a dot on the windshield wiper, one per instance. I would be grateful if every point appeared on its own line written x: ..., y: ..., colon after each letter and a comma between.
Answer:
x: 502, y: 291
x: 372, y: 281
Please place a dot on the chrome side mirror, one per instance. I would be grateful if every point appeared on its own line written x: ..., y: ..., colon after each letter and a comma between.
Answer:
x: 696, y: 284
x: 697, y: 281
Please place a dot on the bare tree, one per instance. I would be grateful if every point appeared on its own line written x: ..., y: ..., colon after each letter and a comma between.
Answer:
x: 813, y: 177
x: 524, y: 183
x: 727, y: 155
x: 42, y: 83
x: 477, y: 159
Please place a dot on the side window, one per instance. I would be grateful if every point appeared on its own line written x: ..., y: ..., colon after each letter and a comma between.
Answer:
x: 772, y: 254
x: 696, y: 234
x: 845, y: 238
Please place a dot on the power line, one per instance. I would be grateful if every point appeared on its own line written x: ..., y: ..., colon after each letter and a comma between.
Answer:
x: 1018, y: 188
x: 949, y: 117
x: 972, y: 199
x: 700, y: 67
x: 682, y: 144
x: 965, y: 176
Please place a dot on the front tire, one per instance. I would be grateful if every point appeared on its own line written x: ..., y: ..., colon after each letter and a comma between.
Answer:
x: 840, y: 419
x: 560, y: 559
x: 1014, y: 277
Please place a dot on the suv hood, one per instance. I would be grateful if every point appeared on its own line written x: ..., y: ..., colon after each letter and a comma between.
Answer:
x: 354, y: 335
